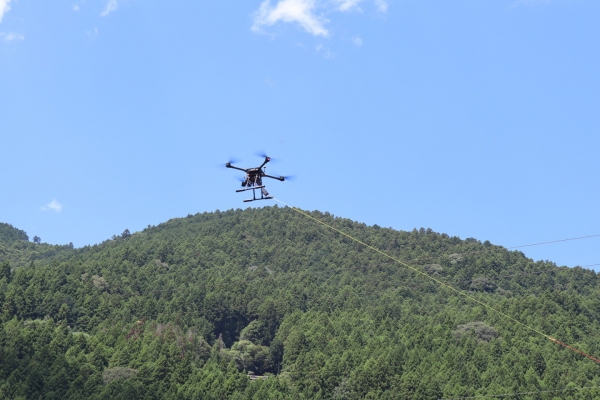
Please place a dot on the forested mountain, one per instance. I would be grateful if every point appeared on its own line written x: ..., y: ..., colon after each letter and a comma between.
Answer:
x: 9, y: 234
x: 188, y: 308
x: 17, y: 250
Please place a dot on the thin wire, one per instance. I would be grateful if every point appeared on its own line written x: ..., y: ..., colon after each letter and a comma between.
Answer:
x: 589, y: 265
x: 517, y: 394
x: 180, y: 288
x: 553, y: 241
x: 481, y: 251
x: 425, y: 258
x: 507, y: 248
x: 429, y: 258
x: 466, y: 295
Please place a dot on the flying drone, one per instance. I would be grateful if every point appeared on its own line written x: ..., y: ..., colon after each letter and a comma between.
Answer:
x: 253, y: 180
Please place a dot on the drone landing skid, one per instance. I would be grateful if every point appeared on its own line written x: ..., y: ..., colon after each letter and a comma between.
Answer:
x: 264, y: 195
x: 250, y: 188
x: 260, y: 198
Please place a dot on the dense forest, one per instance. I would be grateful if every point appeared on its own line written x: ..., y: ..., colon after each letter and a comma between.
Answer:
x: 268, y: 304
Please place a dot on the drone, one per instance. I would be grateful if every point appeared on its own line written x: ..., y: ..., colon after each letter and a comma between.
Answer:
x: 253, y: 180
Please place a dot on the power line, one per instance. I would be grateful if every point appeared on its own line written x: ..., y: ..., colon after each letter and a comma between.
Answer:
x: 508, y: 248
x: 447, y: 286
x: 553, y: 241
x: 589, y: 265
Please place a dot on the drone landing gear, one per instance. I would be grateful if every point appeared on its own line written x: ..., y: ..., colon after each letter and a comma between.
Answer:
x: 264, y: 195
x: 249, y: 188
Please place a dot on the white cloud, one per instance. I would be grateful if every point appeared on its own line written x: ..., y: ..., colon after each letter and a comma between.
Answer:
x: 325, y: 51
x: 303, y: 12
x: 299, y: 11
x: 357, y: 41
x: 11, y: 36
x: 347, y: 5
x: 382, y: 5
x: 4, y: 7
x: 53, y: 205
x: 75, y: 7
x: 111, y: 6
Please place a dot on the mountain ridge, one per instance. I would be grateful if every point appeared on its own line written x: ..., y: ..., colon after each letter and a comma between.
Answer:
x: 268, y: 291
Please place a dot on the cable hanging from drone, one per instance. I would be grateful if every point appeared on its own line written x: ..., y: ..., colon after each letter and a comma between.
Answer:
x: 253, y: 180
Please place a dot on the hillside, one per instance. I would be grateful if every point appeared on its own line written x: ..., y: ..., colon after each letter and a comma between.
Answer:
x: 9, y: 234
x: 18, y: 251
x: 186, y: 309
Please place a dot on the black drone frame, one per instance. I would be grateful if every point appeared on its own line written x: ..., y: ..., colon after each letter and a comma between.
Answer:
x: 253, y: 180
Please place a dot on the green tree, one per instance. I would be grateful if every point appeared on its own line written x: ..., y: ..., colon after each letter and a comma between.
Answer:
x: 5, y: 271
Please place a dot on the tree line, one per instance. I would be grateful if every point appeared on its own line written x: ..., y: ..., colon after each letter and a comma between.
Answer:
x: 189, y: 308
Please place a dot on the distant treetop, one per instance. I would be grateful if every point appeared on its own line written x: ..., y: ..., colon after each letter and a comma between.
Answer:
x: 9, y: 233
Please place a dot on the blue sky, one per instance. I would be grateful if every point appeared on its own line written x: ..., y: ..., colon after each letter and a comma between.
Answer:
x: 474, y: 118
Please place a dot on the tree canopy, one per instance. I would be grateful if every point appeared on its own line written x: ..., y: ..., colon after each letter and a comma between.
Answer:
x: 9, y: 233
x: 194, y: 307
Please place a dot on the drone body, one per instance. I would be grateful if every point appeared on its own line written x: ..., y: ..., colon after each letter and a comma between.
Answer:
x: 253, y: 180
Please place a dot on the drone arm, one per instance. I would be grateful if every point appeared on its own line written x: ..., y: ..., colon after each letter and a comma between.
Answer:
x: 228, y: 165
x: 267, y: 159
x: 279, y: 178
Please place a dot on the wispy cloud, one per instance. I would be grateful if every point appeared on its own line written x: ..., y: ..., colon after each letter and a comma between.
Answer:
x: 324, y: 51
x: 382, y: 5
x: 4, y: 7
x: 92, y: 33
x: 357, y: 41
x: 111, y: 6
x: 347, y: 5
x: 75, y: 7
x: 53, y: 205
x: 298, y: 11
x: 304, y: 13
x: 11, y: 36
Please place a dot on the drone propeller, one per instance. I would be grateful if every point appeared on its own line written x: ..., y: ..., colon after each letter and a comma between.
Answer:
x: 231, y: 160
x: 264, y: 155
x: 287, y: 177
